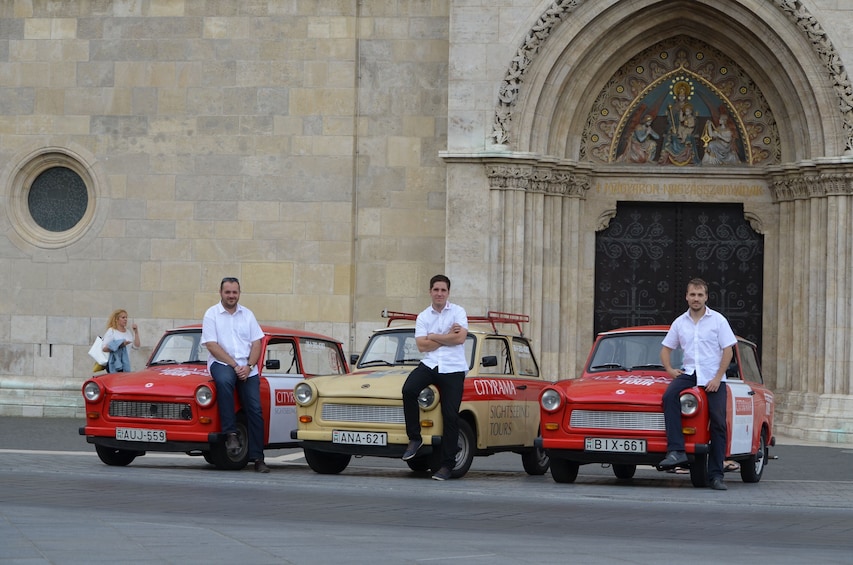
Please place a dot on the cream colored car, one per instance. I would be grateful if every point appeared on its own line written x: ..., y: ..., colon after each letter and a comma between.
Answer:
x: 362, y: 413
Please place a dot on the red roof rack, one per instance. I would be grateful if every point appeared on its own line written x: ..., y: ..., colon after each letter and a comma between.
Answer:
x: 492, y: 317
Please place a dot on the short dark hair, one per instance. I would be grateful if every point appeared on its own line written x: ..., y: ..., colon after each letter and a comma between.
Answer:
x: 229, y: 280
x: 439, y: 278
x: 698, y: 282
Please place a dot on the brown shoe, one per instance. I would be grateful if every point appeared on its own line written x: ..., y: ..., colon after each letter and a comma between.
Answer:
x: 261, y: 467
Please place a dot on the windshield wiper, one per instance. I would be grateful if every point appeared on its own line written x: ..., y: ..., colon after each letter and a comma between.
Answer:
x: 164, y: 362
x: 375, y: 362
x: 609, y: 366
x: 648, y: 366
x: 407, y: 360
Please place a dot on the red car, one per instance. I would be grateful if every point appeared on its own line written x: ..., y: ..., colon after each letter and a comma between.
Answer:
x: 171, y: 404
x: 613, y: 415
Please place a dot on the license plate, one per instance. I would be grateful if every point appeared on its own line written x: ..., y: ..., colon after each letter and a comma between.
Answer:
x: 140, y: 434
x: 359, y: 438
x: 615, y: 445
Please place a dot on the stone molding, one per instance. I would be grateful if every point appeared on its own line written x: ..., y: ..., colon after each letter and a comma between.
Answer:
x: 812, y: 179
x: 560, y: 10
x: 570, y: 180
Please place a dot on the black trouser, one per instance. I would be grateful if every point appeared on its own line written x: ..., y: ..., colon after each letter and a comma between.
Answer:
x: 450, y: 387
x: 716, y: 412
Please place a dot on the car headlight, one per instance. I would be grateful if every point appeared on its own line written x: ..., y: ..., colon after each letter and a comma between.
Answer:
x: 91, y: 391
x: 550, y: 400
x: 304, y: 394
x: 427, y: 398
x: 204, y: 396
x: 689, y: 404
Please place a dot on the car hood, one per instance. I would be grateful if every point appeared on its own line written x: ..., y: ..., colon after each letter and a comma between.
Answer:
x: 165, y: 380
x: 371, y: 383
x: 623, y: 388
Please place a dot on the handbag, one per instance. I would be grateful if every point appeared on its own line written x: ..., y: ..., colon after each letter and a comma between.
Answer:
x: 97, y: 352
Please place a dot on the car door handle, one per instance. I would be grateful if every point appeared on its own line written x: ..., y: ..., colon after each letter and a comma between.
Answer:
x: 521, y: 387
x: 751, y: 393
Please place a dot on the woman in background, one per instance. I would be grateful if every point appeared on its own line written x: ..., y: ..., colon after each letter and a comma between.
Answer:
x: 116, y: 340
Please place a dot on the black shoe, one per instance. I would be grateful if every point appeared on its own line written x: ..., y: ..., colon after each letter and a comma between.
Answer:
x: 261, y: 467
x: 412, y: 449
x: 673, y: 459
x: 718, y: 484
x: 232, y: 444
x: 442, y: 474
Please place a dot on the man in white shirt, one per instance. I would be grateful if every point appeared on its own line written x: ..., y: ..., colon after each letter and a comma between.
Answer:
x: 706, y: 339
x: 440, y: 333
x: 233, y: 336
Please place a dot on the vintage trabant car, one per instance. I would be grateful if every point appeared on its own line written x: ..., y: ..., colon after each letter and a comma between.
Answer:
x: 362, y: 413
x: 171, y: 404
x: 613, y: 413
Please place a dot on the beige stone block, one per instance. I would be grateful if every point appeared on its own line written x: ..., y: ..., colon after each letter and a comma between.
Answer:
x: 256, y: 212
x: 37, y: 28
x: 171, y: 250
x: 162, y: 8
x: 62, y: 75
x: 149, y: 275
x: 51, y: 361
x: 255, y: 250
x: 315, y: 278
x: 334, y: 309
x: 284, y: 233
x: 191, y: 229
x: 21, y: 51
x: 329, y: 231
x: 71, y: 125
x: 404, y: 152
x: 402, y: 279
x: 334, y: 252
x: 171, y: 101
x: 29, y: 329
x: 8, y: 124
x: 173, y: 305
x: 413, y: 223
x: 418, y: 126
x: 273, y: 278
x: 369, y: 221
x: 63, y: 28
x: 330, y: 101
x: 343, y: 280
x: 213, y: 250
x: 162, y: 75
x: 298, y: 307
x: 287, y: 125
x: 215, y: 28
x: 332, y: 145
x: 421, y: 51
x: 233, y: 230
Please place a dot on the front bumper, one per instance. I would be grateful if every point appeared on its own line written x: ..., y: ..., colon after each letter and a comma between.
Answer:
x: 204, y: 441
x: 572, y: 449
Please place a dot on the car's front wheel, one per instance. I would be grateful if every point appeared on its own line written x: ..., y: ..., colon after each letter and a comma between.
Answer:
x: 699, y: 471
x: 116, y: 457
x: 220, y: 456
x: 326, y: 463
x: 564, y: 471
x: 750, y: 472
x: 464, y: 456
x: 535, y: 461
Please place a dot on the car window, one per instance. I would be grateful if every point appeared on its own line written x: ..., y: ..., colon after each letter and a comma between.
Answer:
x: 526, y: 362
x: 628, y: 351
x: 499, y: 348
x: 321, y: 358
x: 185, y: 347
x: 391, y: 348
x: 284, y: 353
x: 750, y: 370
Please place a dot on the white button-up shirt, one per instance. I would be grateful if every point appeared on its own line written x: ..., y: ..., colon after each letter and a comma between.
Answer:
x: 448, y: 358
x: 233, y: 332
x: 703, y: 343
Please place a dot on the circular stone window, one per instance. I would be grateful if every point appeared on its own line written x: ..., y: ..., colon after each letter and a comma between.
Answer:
x: 52, y: 200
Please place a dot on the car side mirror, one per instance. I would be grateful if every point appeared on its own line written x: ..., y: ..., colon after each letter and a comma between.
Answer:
x: 490, y: 361
x: 353, y: 359
x: 272, y: 364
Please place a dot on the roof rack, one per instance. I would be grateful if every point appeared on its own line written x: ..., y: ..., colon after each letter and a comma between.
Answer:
x: 492, y: 317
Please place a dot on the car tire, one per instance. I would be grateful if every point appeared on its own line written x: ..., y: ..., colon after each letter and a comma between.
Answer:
x: 220, y: 457
x: 624, y: 471
x: 751, y: 471
x: 326, y: 463
x: 699, y: 471
x: 464, y: 456
x: 535, y: 461
x: 564, y: 471
x: 419, y: 464
x: 116, y: 457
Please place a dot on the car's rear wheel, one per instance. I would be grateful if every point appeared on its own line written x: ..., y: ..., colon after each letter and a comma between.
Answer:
x: 751, y: 471
x: 326, y: 463
x: 116, y: 457
x: 220, y: 457
x: 564, y: 471
x: 699, y: 471
x: 624, y: 471
x: 464, y: 456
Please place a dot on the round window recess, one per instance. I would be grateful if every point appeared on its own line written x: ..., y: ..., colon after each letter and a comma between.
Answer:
x: 52, y: 201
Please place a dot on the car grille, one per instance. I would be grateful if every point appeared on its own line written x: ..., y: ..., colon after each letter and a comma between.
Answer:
x: 364, y: 413
x: 148, y: 410
x: 601, y: 420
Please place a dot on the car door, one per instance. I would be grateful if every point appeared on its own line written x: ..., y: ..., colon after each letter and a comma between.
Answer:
x: 505, y: 419
x: 281, y: 369
x: 742, y: 409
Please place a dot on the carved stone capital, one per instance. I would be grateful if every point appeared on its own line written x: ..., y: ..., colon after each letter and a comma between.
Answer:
x: 812, y: 179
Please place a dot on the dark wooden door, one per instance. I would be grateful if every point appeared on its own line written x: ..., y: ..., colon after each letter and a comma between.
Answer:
x: 650, y: 250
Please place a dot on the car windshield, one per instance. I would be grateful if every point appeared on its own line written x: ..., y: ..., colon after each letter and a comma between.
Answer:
x: 180, y: 347
x: 399, y: 348
x: 630, y: 351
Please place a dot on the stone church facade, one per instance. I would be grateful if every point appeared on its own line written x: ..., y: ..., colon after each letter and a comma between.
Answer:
x: 574, y: 160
